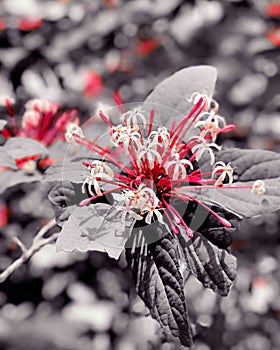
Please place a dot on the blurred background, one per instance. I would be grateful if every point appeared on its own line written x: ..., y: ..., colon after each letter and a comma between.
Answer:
x: 77, y: 52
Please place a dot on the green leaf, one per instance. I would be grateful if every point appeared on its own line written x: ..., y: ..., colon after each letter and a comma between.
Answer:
x: 160, y: 285
x: 250, y: 165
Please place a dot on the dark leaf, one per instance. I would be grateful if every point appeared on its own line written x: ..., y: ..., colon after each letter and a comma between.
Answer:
x: 97, y: 227
x: 199, y: 219
x: 215, y: 268
x: 19, y: 147
x: 251, y: 165
x: 160, y: 284
x: 65, y: 198
x: 169, y: 98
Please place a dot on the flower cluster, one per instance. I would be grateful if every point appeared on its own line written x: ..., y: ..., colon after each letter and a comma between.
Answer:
x: 42, y: 121
x: 161, y: 166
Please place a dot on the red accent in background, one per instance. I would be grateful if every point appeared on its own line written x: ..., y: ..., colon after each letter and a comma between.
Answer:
x: 93, y: 84
x: 273, y: 10
x: 274, y: 36
x: 27, y: 24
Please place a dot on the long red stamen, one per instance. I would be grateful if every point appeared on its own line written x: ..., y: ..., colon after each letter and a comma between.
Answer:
x: 105, y: 119
x: 118, y: 100
x: 223, y: 221
x: 152, y: 117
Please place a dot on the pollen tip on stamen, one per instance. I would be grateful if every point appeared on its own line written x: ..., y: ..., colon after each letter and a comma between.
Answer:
x: 225, y: 222
x: 227, y: 128
x: 258, y: 187
x: 118, y: 100
x: 105, y: 118
x: 190, y: 233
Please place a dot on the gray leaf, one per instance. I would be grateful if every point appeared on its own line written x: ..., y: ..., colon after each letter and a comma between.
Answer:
x: 96, y: 227
x: 65, y: 170
x: 6, y: 161
x: 251, y: 165
x: 19, y: 147
x: 12, y: 178
x: 169, y: 98
x: 160, y: 284
x: 65, y: 199
x: 215, y: 268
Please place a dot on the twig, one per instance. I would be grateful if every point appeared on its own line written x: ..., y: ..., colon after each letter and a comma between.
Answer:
x: 44, y: 230
x: 38, y: 242
x: 21, y: 245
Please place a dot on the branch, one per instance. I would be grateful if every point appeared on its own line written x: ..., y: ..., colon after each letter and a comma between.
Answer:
x: 38, y: 242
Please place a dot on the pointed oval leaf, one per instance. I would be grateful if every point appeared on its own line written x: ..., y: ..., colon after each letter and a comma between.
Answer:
x: 97, y: 227
x: 19, y: 147
x: 215, y: 268
x: 65, y: 199
x: 65, y: 170
x: 10, y: 179
x: 160, y: 285
x: 169, y: 98
x: 250, y: 165
x: 6, y: 161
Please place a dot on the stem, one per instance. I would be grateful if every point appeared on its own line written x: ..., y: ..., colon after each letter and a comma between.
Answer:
x: 38, y: 243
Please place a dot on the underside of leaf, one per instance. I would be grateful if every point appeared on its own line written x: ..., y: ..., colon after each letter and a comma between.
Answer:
x: 215, y: 268
x: 160, y: 284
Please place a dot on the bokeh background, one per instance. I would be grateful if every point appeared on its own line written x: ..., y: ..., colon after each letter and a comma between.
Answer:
x: 77, y: 53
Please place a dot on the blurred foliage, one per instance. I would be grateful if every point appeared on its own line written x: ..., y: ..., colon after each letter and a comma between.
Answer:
x: 77, y: 52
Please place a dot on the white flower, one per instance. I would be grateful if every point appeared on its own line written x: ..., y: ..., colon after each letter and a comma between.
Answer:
x: 71, y: 129
x: 137, y: 198
x: 116, y: 132
x: 223, y: 170
x: 209, y: 102
x: 130, y: 137
x: 98, y: 171
x: 161, y: 136
x: 202, y: 146
x: 151, y: 210
x: 100, y: 167
x: 145, y: 200
x: 94, y: 179
x: 30, y: 118
x: 39, y: 105
x: 149, y: 152
x: 258, y: 187
x: 179, y: 168
x: 132, y: 118
x: 211, y: 125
